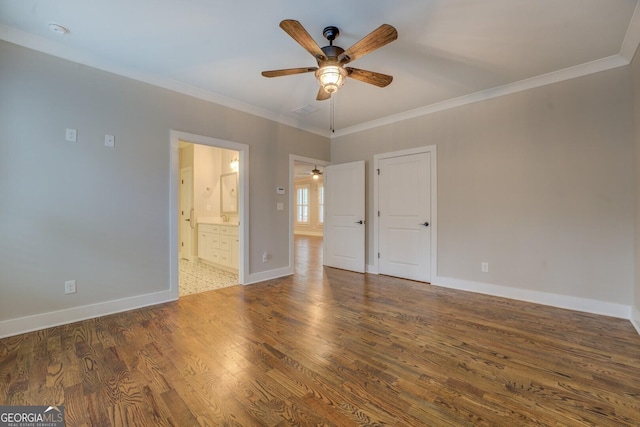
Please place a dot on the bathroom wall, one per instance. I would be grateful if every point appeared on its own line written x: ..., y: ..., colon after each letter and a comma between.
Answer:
x: 206, y: 181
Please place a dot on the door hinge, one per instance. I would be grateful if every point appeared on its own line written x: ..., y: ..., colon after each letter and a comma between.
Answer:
x: 378, y: 255
x: 378, y: 213
x: 378, y: 171
x: 182, y: 181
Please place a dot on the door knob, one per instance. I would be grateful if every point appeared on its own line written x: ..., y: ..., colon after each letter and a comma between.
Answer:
x: 426, y: 224
x: 360, y: 222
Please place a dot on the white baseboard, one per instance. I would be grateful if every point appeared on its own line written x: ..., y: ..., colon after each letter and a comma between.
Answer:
x: 268, y: 275
x: 371, y: 269
x: 309, y: 233
x: 554, y: 300
x: 35, y: 322
x: 635, y: 318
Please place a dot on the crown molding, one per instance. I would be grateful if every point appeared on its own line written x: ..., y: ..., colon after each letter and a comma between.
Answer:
x: 632, y: 37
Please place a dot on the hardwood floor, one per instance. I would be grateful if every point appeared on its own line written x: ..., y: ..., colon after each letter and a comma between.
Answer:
x: 330, y: 347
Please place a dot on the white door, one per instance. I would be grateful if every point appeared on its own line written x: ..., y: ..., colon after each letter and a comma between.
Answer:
x: 344, y: 216
x: 186, y: 216
x: 404, y: 201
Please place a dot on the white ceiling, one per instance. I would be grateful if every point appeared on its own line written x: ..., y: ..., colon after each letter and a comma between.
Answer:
x: 448, y: 52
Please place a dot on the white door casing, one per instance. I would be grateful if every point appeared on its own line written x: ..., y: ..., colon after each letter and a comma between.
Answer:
x: 405, y: 219
x: 186, y: 216
x: 344, y: 228
x: 174, y: 201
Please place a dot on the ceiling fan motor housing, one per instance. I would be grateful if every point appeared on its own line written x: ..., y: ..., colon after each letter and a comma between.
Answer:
x: 331, y: 33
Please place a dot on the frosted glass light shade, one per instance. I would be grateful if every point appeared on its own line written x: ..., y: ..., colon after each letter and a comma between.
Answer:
x: 331, y: 77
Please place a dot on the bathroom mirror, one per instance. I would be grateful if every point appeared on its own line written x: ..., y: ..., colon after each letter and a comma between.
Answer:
x: 229, y: 193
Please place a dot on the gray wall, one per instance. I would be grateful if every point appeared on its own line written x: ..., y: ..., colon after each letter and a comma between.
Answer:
x: 537, y: 183
x: 101, y: 216
x: 635, y: 69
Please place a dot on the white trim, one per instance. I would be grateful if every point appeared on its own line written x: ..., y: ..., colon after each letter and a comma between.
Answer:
x: 433, y: 221
x: 76, y: 314
x: 268, y: 275
x: 635, y: 318
x: 632, y: 37
x: 371, y: 268
x: 545, y: 298
x: 292, y: 201
x: 599, y: 65
x: 243, y: 205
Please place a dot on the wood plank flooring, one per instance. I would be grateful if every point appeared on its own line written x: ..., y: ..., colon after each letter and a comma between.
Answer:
x: 330, y: 347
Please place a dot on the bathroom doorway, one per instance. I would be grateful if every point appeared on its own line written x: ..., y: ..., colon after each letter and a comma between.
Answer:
x: 209, y: 246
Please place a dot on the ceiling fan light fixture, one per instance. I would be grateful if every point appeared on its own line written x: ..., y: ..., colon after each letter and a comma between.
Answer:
x: 315, y: 173
x: 331, y: 77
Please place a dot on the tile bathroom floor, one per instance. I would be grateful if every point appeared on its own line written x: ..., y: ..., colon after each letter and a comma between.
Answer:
x: 197, y: 276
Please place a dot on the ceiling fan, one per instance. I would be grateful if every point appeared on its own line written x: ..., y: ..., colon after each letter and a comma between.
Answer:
x: 315, y: 172
x: 331, y: 71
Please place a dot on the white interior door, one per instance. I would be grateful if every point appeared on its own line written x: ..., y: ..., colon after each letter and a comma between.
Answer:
x: 186, y: 216
x: 344, y: 216
x: 404, y: 199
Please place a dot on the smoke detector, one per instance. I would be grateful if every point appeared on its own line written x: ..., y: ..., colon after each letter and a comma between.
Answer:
x: 58, y: 29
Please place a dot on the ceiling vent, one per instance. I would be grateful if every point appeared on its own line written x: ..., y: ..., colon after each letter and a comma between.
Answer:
x: 307, y: 109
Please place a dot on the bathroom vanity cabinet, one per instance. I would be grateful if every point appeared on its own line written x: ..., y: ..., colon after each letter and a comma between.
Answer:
x: 218, y: 244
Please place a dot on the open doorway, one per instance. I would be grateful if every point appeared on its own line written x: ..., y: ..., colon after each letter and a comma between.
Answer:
x: 307, y: 213
x: 209, y: 197
x: 208, y: 213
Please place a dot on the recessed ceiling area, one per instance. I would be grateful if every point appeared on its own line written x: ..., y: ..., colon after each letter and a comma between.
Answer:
x: 447, y: 52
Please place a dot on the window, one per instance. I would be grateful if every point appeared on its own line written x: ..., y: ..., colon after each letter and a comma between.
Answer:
x: 320, y: 204
x: 302, y: 204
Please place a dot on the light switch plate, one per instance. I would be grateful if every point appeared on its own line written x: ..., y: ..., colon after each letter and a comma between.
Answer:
x: 71, y: 135
x: 70, y: 287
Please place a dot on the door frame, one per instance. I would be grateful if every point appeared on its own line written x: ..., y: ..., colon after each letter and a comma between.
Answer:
x: 243, y: 202
x: 433, y: 222
x: 292, y: 160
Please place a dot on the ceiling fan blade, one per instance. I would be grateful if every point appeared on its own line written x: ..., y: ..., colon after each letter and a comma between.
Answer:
x: 288, y: 71
x: 371, y: 77
x: 322, y: 95
x: 379, y: 37
x: 299, y: 34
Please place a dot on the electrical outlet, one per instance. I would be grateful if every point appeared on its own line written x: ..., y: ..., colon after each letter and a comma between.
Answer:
x: 70, y: 287
x: 485, y: 267
x: 265, y: 257
x: 109, y: 141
